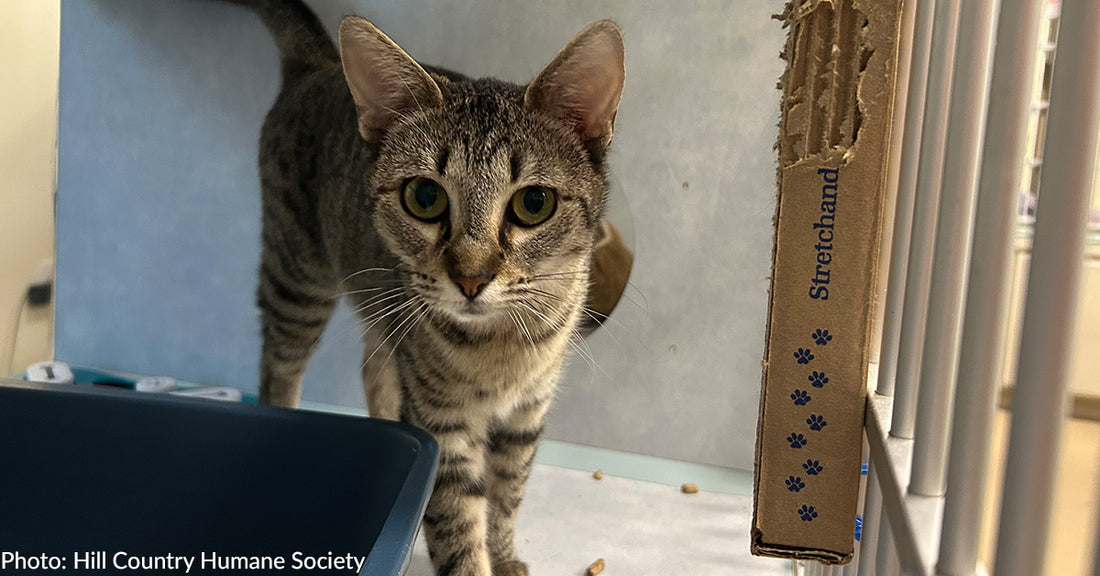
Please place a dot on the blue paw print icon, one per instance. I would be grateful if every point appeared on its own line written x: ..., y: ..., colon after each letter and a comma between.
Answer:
x: 796, y: 440
x: 800, y: 397
x: 821, y: 337
x: 812, y: 467
x: 817, y: 379
x: 807, y: 513
x: 816, y: 422
x: 803, y: 356
x: 794, y: 483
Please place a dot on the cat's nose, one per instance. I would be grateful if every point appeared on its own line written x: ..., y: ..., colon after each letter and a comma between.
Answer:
x: 471, y: 285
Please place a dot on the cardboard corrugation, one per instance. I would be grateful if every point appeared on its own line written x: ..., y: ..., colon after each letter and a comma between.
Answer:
x: 833, y: 147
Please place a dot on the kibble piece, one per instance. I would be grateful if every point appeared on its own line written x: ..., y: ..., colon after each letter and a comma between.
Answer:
x: 689, y: 488
x: 594, y: 568
x: 598, y: 474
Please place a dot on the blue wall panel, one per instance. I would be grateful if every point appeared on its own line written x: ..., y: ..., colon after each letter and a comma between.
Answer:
x: 158, y: 215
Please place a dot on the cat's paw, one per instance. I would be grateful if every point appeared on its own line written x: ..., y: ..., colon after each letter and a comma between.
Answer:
x: 510, y: 568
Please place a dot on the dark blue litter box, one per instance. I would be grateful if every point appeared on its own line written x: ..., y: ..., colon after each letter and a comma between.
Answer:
x: 86, y: 470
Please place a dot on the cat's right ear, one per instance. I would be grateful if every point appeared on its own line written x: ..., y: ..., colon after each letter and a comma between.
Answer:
x: 384, y: 81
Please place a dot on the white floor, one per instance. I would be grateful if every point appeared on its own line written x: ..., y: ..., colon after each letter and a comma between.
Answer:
x: 569, y: 519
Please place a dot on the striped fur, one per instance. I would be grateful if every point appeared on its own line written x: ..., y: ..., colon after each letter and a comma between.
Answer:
x: 479, y: 373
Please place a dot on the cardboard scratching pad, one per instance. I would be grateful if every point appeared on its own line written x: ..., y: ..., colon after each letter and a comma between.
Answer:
x: 834, y: 138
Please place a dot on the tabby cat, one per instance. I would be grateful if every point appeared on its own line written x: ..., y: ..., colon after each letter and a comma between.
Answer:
x: 459, y: 216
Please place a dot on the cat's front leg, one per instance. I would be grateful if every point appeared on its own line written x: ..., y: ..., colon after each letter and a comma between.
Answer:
x: 294, y: 310
x: 512, y: 445
x: 455, y: 520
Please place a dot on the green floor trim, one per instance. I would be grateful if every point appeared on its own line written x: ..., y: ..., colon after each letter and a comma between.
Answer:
x: 647, y: 468
x: 616, y: 463
x: 333, y: 408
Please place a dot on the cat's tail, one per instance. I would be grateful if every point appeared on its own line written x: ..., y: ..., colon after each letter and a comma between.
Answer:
x: 302, y: 40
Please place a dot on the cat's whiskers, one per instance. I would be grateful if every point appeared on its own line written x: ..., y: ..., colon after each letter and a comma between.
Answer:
x: 550, y: 323
x: 563, y: 276
x: 585, y: 352
x: 578, y: 275
x: 585, y: 309
x: 394, y: 309
x: 418, y: 313
x: 404, y: 316
x: 421, y: 313
x: 526, y: 331
x: 515, y: 322
x: 645, y: 309
x: 594, y: 315
x: 341, y: 326
x: 582, y: 348
x: 380, y: 298
x: 377, y: 313
x: 359, y: 291
x: 394, y: 270
x: 577, y: 341
x: 567, y: 275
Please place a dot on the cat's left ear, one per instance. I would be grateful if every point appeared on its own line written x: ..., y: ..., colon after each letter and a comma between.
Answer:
x: 583, y: 83
x: 384, y: 81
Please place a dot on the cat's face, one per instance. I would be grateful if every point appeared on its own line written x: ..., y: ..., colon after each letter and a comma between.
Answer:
x: 492, y: 209
x: 489, y: 193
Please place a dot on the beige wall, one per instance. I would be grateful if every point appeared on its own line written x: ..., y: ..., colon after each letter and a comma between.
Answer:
x: 28, y: 137
x: 1083, y: 378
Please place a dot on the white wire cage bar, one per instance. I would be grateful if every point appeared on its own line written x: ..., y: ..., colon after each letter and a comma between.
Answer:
x: 1066, y: 185
x: 988, y: 290
x: 963, y: 155
x: 869, y: 536
x: 929, y: 176
x: 914, y: 46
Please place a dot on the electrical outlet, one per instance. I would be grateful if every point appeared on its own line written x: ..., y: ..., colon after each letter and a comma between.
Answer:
x: 40, y: 291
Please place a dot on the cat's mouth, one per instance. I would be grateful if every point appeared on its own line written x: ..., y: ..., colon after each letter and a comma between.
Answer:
x: 475, y: 308
x: 476, y: 313
x: 486, y: 311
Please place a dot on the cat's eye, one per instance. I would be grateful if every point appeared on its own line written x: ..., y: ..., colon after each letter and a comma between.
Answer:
x: 533, y: 205
x: 425, y: 199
